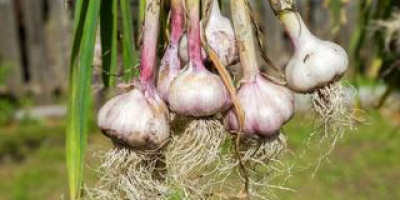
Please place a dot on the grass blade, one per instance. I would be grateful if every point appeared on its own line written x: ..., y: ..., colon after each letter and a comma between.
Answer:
x: 87, y: 13
x: 129, y: 52
x: 109, y: 40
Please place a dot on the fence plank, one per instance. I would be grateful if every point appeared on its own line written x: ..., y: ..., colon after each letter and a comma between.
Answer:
x: 57, y: 44
x: 40, y: 80
x: 10, y: 56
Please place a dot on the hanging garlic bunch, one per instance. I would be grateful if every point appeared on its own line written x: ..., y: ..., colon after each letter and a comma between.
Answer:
x: 170, y: 63
x: 200, y: 95
x: 138, y: 123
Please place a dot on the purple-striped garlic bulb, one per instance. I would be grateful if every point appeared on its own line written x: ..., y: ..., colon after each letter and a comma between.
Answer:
x: 139, y: 118
x: 196, y: 91
x: 267, y: 106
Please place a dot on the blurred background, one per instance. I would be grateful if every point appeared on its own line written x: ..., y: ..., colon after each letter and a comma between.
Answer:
x: 34, y: 53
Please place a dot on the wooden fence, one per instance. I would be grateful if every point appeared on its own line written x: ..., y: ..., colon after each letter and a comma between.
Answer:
x: 34, y: 42
x: 34, y: 38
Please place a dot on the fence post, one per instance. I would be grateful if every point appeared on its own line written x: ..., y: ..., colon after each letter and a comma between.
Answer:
x: 58, y: 42
x: 40, y: 79
x: 10, y: 54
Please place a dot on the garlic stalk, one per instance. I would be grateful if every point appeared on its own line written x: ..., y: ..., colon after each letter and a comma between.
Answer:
x: 196, y: 91
x: 170, y: 63
x: 139, y: 118
x: 267, y: 106
x: 184, y: 50
x: 316, y: 63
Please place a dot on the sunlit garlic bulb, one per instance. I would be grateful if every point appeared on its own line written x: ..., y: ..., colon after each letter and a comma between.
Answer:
x: 135, y: 119
x: 315, y: 63
x: 220, y: 35
x: 267, y: 107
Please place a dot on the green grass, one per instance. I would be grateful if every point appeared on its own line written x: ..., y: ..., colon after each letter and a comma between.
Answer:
x: 363, y: 167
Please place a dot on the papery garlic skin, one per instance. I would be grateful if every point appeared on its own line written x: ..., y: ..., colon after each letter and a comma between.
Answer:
x: 267, y: 107
x: 135, y: 119
x: 315, y: 63
x: 198, y: 93
x: 220, y: 36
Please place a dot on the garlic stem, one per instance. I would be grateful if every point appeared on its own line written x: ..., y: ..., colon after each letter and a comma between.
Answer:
x: 177, y: 21
x: 294, y: 26
x: 245, y: 39
x: 194, y: 34
x: 149, y: 44
x: 278, y: 6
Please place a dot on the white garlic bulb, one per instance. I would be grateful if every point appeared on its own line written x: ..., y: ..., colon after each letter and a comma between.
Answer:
x: 267, y: 107
x: 315, y: 63
x: 136, y: 119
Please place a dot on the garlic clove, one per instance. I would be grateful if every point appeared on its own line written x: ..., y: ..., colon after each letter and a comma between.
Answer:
x: 198, y: 93
x: 135, y: 119
x: 315, y: 63
x: 267, y: 107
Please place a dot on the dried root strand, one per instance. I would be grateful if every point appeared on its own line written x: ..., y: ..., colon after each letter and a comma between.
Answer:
x: 127, y: 174
x: 261, y: 157
x: 334, y: 116
x: 192, y: 157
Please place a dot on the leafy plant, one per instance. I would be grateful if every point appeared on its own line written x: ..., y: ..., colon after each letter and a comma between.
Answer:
x: 88, y: 16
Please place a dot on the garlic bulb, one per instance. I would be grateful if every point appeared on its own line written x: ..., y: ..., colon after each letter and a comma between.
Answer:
x: 139, y: 118
x: 220, y: 36
x: 267, y: 107
x: 135, y: 119
x: 170, y: 63
x: 196, y: 91
x: 315, y: 63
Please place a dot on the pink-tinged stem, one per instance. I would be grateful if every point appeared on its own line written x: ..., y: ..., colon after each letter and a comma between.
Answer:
x: 245, y: 38
x: 177, y: 21
x: 149, y: 44
x: 194, y: 34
